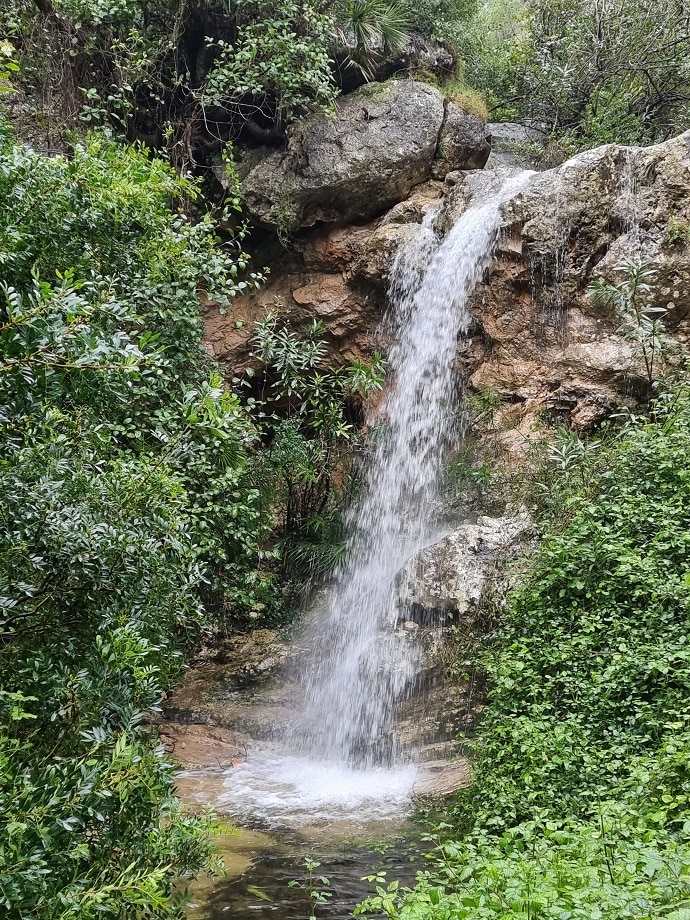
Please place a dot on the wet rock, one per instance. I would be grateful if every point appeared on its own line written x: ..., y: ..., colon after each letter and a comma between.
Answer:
x: 421, y: 53
x: 224, y: 674
x: 193, y: 746
x: 380, y: 144
x: 445, y: 581
x: 536, y: 339
x: 517, y: 144
x: 448, y: 779
x: 349, y: 312
x: 539, y: 341
x: 339, y: 274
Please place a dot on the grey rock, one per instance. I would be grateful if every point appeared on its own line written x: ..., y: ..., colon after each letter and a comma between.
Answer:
x: 422, y: 53
x: 516, y: 144
x: 447, y: 579
x: 463, y: 142
x: 381, y: 143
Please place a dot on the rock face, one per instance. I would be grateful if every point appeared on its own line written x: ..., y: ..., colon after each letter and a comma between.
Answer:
x: 462, y: 144
x: 537, y: 340
x: 446, y: 580
x: 381, y: 143
x: 338, y: 274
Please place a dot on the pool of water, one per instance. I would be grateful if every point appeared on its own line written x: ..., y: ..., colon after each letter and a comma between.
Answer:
x: 262, y: 866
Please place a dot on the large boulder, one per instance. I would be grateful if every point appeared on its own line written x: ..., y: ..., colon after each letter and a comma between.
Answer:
x: 446, y: 581
x: 382, y: 141
x: 463, y: 142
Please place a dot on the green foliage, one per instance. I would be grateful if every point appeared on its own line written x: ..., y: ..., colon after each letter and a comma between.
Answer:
x: 677, y: 232
x: 491, y: 43
x: 444, y: 20
x: 316, y: 894
x: 579, y: 805
x: 279, y: 59
x: 592, y: 73
x: 368, y: 30
x: 8, y: 66
x: 548, y: 870
x: 608, y: 71
x: 641, y: 321
x: 300, y: 411
x: 127, y: 502
x: 191, y: 77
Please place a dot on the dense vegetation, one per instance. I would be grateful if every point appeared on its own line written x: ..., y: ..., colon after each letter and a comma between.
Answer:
x: 121, y: 458
x: 579, y: 807
x: 591, y: 72
x: 188, y: 77
x: 138, y: 509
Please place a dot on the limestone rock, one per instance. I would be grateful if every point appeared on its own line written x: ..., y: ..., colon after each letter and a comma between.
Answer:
x: 517, y: 144
x: 339, y: 275
x: 381, y: 143
x: 463, y: 142
x: 539, y: 341
x: 200, y: 745
x: 447, y: 579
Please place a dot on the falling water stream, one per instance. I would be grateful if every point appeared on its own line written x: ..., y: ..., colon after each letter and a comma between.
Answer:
x: 339, y: 757
x: 364, y: 664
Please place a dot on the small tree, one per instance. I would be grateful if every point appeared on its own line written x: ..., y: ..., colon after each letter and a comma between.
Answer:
x: 640, y: 323
x: 306, y: 415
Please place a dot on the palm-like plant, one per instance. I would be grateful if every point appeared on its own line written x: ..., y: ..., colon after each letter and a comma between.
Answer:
x: 367, y: 30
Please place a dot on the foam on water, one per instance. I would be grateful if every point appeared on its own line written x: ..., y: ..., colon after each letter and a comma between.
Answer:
x: 278, y: 790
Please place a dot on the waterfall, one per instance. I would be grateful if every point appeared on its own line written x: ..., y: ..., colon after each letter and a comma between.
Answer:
x: 363, y: 660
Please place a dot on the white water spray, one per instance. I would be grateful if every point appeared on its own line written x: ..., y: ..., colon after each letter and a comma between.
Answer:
x: 363, y: 664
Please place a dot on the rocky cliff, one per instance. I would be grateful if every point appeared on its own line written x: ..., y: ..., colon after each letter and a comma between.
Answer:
x: 349, y: 190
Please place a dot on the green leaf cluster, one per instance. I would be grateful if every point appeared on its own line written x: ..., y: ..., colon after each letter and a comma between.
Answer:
x: 192, y: 77
x: 580, y: 805
x: 308, y: 415
x: 128, y: 518
x: 590, y: 72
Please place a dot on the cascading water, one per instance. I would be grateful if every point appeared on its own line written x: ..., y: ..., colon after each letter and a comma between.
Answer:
x: 363, y: 663
x: 340, y: 758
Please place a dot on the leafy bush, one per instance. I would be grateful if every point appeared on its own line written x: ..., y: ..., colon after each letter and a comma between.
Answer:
x: 126, y: 503
x: 579, y: 805
x: 609, y: 72
x: 443, y: 20
x: 491, y: 45
x: 189, y: 78
x: 300, y: 411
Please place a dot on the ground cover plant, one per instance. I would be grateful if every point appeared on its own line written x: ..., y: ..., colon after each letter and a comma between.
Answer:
x: 580, y: 803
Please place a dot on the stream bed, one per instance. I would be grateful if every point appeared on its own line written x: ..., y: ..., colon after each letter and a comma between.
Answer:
x: 261, y: 867
x: 226, y: 727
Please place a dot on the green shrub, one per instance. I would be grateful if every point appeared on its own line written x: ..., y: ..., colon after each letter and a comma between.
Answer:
x: 579, y: 805
x: 127, y: 501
